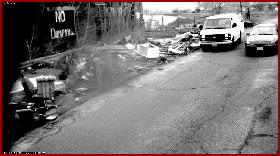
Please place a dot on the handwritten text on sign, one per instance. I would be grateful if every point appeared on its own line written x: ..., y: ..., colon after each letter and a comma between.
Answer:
x: 60, y: 22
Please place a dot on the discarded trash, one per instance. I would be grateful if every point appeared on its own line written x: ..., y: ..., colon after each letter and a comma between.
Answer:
x: 179, y: 48
x: 49, y: 102
x: 123, y: 41
x: 59, y: 86
x: 128, y: 37
x: 51, y: 110
x: 148, y: 50
x: 162, y: 59
x: 138, y: 67
x: 51, y: 117
x: 81, y: 64
x: 194, y: 31
x: 89, y: 74
x: 82, y: 89
x: 121, y: 57
x: 130, y: 46
x: 178, y: 38
x: 85, y: 78
x: 77, y: 99
x: 195, y: 45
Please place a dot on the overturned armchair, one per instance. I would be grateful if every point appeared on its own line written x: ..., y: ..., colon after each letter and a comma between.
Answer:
x: 36, y: 108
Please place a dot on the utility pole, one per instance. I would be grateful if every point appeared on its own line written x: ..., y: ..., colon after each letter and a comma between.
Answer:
x: 240, y: 8
x: 219, y: 7
x: 162, y: 28
x: 162, y: 21
x: 178, y: 18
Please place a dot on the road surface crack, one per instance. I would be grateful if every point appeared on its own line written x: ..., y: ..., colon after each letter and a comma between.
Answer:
x: 222, y: 78
x: 264, y: 135
x: 174, y: 89
x: 251, y: 132
x: 203, y: 149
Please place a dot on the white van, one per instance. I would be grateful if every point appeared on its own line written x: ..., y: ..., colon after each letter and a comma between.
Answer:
x: 222, y: 29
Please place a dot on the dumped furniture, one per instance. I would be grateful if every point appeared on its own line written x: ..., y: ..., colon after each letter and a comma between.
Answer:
x: 148, y: 50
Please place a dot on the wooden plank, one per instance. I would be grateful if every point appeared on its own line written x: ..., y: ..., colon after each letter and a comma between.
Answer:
x: 29, y: 63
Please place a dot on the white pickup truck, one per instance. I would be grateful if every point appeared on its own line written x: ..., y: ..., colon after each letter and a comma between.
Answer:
x: 222, y: 29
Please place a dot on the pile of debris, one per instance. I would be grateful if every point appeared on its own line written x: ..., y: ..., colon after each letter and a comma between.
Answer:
x: 181, y: 44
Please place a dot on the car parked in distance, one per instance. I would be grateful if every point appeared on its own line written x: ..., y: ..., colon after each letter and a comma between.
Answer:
x: 248, y: 23
x: 263, y: 39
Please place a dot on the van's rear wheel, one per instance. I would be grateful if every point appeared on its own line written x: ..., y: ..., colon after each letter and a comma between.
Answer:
x: 239, y: 39
x: 232, y: 42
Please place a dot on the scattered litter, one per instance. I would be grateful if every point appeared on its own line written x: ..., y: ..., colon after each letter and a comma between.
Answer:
x: 51, y: 117
x: 51, y: 111
x: 148, y: 50
x: 89, y: 74
x: 81, y: 64
x: 130, y: 46
x: 178, y: 38
x: 121, y: 57
x: 194, y: 31
x: 59, y: 86
x: 85, y: 78
x: 128, y: 37
x: 77, y: 99
x: 138, y: 85
x: 82, y: 89
x: 123, y: 41
x: 138, y: 67
x: 162, y: 59
x: 180, y: 48
x: 49, y: 101
x: 195, y: 45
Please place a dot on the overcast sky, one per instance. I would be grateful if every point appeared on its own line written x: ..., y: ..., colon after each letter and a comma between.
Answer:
x: 168, y: 6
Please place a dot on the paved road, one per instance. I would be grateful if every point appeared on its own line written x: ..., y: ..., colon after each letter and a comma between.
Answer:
x: 202, y: 103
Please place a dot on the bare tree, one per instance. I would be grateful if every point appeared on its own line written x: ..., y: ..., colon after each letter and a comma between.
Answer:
x: 31, y: 47
x: 91, y: 17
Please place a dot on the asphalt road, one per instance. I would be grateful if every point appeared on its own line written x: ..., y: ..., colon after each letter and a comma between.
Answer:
x: 201, y: 103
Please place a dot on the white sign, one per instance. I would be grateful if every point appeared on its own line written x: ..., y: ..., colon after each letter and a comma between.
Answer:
x: 59, y: 16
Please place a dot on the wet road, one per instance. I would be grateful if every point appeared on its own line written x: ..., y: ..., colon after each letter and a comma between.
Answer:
x: 201, y: 103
